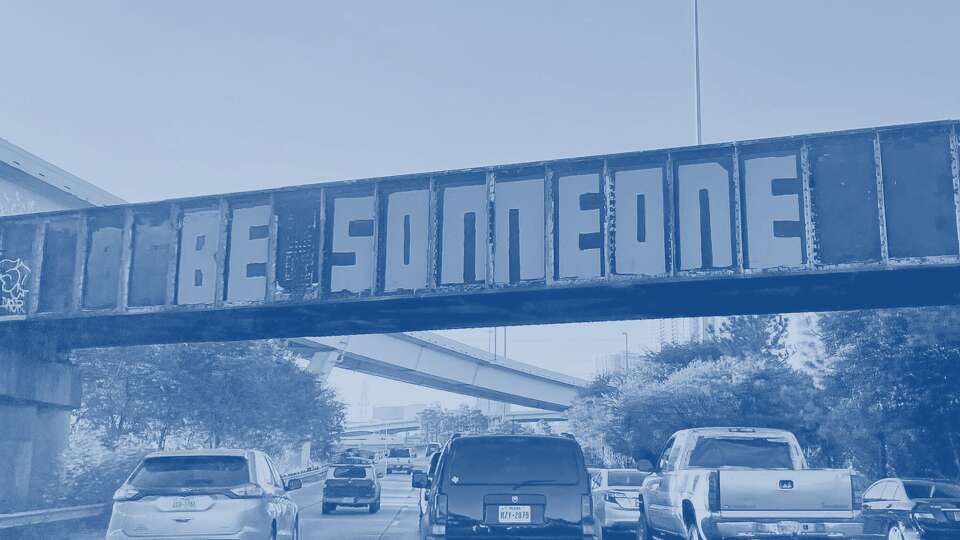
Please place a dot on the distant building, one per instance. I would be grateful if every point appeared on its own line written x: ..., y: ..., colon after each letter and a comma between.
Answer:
x: 397, y: 412
x: 608, y: 364
x: 686, y: 330
x: 492, y: 408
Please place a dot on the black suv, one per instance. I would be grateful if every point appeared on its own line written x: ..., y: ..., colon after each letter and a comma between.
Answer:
x: 507, y: 486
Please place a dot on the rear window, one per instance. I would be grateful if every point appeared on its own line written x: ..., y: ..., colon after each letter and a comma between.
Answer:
x: 932, y: 490
x: 514, y: 461
x: 399, y: 453
x: 191, y: 471
x: 349, y: 472
x: 716, y: 452
x: 625, y: 478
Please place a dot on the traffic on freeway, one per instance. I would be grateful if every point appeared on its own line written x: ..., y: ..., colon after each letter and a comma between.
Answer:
x: 707, y: 484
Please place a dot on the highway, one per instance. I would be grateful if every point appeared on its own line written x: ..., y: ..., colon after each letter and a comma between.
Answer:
x: 397, y: 519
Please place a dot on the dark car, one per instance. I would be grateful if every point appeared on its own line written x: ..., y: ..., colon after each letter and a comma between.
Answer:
x: 907, y: 509
x: 508, y: 486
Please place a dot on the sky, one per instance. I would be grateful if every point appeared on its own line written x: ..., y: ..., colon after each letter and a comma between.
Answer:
x: 170, y: 99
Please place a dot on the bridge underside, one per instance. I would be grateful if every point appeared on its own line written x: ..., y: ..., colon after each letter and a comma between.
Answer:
x: 883, y: 287
x: 429, y: 360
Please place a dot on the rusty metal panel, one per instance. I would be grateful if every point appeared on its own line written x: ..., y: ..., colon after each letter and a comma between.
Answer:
x: 298, y: 243
x: 58, y: 271
x: 153, y: 246
x: 104, y: 252
x: 17, y: 266
x: 918, y: 193
x: 845, y: 206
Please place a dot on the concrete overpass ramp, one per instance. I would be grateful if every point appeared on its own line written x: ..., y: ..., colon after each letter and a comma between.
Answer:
x: 427, y: 359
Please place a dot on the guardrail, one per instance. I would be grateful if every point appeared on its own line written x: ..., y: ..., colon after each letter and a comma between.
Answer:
x: 51, y: 515
x: 308, y: 473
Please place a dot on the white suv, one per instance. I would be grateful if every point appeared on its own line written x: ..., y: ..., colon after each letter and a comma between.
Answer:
x: 229, y: 494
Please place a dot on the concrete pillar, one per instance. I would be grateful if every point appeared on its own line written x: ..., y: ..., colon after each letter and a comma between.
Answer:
x: 38, y: 389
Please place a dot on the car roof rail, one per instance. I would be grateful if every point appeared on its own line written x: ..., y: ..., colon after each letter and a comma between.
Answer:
x: 568, y: 435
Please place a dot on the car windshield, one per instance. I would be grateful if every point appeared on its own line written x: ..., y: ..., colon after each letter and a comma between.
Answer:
x: 514, y: 461
x: 191, y: 471
x: 932, y: 490
x: 350, y: 472
x: 716, y: 452
x: 625, y: 478
x: 399, y: 452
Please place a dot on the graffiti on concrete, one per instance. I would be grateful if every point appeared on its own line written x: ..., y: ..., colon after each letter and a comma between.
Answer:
x: 13, y: 281
x: 12, y: 203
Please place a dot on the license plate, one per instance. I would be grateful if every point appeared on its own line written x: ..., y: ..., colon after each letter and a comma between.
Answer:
x: 788, y: 527
x: 513, y: 514
x: 185, y: 503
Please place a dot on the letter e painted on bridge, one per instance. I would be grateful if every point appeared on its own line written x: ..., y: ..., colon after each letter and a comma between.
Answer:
x: 519, y: 230
x: 351, y: 249
x: 773, y: 232
x: 580, y: 240
x: 249, y: 244
x: 463, y: 251
x: 639, y: 222
x: 199, y: 244
x: 407, y: 234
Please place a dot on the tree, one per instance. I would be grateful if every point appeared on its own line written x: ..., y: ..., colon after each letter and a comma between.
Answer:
x: 248, y: 394
x: 892, y: 381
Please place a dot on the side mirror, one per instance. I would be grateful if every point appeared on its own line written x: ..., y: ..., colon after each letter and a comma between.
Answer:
x: 293, y: 484
x: 420, y: 480
x: 644, y: 465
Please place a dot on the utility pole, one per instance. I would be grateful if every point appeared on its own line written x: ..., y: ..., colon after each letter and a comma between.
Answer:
x: 626, y: 349
x: 696, y: 46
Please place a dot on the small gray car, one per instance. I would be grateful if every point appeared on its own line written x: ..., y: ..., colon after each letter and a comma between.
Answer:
x: 228, y: 494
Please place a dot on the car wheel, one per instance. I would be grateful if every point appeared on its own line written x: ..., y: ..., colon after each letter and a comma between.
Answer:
x: 327, y: 508
x: 895, y: 533
x: 643, y: 530
x: 375, y: 507
x: 693, y: 533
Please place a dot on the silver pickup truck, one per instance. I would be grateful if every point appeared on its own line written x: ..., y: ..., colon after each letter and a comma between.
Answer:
x: 725, y: 483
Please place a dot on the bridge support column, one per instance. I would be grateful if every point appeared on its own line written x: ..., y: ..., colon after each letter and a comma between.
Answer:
x: 38, y: 389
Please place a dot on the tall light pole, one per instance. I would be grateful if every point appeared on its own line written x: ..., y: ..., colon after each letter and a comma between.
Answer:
x: 626, y: 349
x: 696, y: 44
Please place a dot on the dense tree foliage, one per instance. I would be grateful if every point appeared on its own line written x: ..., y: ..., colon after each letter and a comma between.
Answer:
x: 137, y: 399
x: 884, y: 398
x: 208, y: 394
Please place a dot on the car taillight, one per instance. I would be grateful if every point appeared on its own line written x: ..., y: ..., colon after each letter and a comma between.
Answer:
x: 923, y: 513
x: 586, y: 514
x: 247, y: 491
x: 713, y: 495
x: 439, y: 525
x: 126, y: 493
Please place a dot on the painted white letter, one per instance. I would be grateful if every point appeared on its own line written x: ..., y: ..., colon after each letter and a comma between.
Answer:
x: 772, y: 200
x: 578, y: 218
x: 704, y: 196
x: 520, y: 231
x: 351, y: 255
x: 407, y: 258
x: 639, y: 222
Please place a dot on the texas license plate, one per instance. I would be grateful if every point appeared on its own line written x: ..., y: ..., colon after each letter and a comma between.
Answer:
x: 788, y: 527
x: 185, y: 503
x: 513, y: 514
